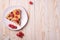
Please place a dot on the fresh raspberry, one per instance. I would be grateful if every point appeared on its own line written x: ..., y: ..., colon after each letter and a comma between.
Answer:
x: 20, y: 34
x: 31, y: 2
x: 12, y: 26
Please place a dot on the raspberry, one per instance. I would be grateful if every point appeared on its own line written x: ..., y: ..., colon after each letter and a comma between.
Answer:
x: 17, y: 12
x: 11, y: 15
x: 12, y: 26
x: 31, y: 2
x: 17, y: 21
x: 20, y: 34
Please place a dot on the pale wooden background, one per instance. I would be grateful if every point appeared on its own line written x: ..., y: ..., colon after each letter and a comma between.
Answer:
x: 44, y: 20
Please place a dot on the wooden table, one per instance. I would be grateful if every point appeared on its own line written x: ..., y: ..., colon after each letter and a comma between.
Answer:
x: 44, y: 20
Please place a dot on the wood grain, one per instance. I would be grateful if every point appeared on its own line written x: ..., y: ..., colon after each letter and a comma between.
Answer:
x: 44, y: 20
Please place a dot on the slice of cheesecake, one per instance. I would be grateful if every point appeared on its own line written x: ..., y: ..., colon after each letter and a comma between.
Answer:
x: 14, y: 16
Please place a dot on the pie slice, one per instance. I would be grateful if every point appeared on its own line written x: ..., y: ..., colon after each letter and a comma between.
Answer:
x: 14, y: 16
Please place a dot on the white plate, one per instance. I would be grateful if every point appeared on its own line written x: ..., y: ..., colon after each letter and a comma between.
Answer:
x: 24, y: 17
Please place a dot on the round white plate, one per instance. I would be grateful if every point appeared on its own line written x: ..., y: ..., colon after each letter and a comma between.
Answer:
x: 24, y: 17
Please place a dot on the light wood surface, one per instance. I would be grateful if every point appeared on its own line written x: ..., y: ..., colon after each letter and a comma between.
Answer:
x: 44, y: 20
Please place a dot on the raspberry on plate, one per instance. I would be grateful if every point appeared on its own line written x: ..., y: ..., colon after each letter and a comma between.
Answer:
x: 12, y: 26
